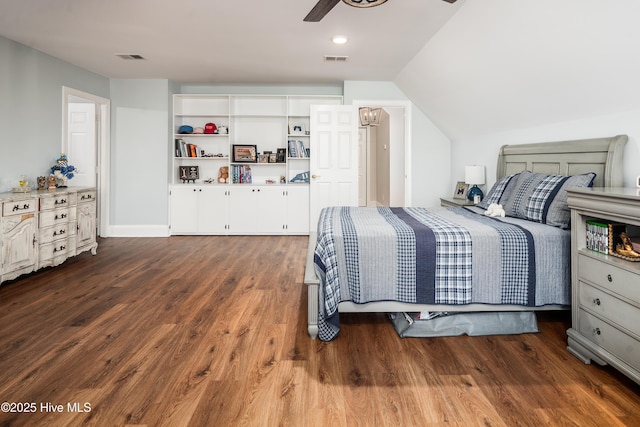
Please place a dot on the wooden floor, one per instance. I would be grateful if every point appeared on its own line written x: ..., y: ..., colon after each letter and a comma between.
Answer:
x: 211, y: 331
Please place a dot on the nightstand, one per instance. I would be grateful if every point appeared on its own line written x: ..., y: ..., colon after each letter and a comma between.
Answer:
x: 605, y: 289
x: 450, y: 202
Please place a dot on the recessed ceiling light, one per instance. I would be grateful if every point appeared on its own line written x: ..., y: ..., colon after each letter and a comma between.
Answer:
x: 339, y: 39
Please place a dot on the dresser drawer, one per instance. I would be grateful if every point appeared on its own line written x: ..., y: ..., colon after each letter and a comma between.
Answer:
x: 19, y: 207
x: 57, y: 232
x: 618, y: 280
x: 56, y: 249
x: 54, y: 201
x: 609, y: 338
x: 609, y: 307
x: 55, y: 217
x: 86, y: 196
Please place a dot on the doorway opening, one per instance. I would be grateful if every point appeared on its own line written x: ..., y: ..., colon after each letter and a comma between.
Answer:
x: 385, y: 156
x: 86, y: 142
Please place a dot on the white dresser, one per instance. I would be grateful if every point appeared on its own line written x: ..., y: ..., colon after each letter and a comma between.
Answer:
x: 44, y: 228
x: 605, y: 289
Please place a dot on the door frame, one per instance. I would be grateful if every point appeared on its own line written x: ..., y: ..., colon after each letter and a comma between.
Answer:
x: 103, y: 140
x: 406, y: 106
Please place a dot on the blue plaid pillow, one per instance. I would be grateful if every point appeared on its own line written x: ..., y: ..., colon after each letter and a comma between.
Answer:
x: 497, y: 192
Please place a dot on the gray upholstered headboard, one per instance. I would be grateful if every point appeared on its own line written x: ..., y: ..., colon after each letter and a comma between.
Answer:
x: 600, y: 155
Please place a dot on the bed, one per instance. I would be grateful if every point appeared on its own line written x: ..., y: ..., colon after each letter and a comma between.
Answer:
x: 459, y: 260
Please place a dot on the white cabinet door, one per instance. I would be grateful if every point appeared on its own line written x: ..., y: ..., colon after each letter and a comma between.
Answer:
x: 86, y: 217
x: 212, y: 209
x: 242, y: 205
x: 271, y: 209
x: 297, y: 209
x: 19, y: 248
x: 199, y: 209
x: 184, y: 209
x: 257, y: 210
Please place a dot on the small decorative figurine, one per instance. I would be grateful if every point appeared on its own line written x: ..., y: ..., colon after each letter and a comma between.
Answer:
x: 42, y: 183
x: 53, y: 181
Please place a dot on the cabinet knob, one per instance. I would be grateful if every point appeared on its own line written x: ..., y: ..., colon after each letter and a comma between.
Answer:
x: 596, y: 331
x: 596, y: 301
x: 609, y: 278
x: 314, y: 176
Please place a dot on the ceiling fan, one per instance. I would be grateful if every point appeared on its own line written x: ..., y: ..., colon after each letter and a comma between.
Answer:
x: 324, y: 6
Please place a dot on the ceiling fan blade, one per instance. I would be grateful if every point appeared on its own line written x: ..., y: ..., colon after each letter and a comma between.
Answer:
x: 450, y: 1
x: 320, y: 10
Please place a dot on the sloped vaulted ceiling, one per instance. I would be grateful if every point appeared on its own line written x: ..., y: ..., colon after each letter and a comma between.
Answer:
x: 499, y: 65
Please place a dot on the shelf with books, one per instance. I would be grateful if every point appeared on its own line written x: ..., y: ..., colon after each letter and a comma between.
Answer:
x: 613, y: 238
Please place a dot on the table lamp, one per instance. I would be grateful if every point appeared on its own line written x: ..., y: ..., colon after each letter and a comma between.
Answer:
x: 474, y: 175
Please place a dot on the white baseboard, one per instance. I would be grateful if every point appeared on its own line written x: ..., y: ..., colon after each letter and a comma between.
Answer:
x: 137, y: 231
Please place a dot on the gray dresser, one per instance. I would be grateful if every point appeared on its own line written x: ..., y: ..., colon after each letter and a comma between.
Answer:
x: 605, y: 289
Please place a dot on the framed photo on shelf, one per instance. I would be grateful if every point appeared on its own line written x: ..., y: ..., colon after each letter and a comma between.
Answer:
x: 273, y: 157
x: 263, y: 158
x: 296, y: 128
x: 244, y: 154
x: 189, y: 173
x: 461, y: 190
x: 281, y: 155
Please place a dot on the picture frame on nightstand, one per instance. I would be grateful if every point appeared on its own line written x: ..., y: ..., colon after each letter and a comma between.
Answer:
x: 461, y: 190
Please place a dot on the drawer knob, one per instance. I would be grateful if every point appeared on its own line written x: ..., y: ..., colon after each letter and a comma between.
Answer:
x: 609, y: 278
x: 596, y: 301
x: 596, y: 331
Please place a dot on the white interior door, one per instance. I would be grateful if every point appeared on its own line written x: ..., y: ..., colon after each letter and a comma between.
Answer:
x: 334, y: 158
x: 82, y: 147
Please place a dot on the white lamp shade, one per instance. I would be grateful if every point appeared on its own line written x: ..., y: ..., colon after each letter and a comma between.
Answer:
x: 474, y: 175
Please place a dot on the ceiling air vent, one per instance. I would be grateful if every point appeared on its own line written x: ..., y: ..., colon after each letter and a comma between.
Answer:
x: 335, y: 58
x: 130, y: 56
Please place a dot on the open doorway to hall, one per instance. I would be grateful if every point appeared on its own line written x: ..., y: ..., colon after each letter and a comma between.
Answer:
x: 383, y: 175
x: 86, y: 141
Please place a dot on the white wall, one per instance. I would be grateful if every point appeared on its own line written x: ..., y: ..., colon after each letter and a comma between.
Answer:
x: 31, y: 109
x: 484, y: 149
x: 140, y: 126
x: 504, y: 71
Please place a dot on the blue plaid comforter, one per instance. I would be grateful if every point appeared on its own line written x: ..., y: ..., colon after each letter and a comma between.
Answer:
x: 436, y: 256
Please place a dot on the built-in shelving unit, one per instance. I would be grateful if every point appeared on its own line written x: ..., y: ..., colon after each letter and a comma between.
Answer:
x: 271, y: 124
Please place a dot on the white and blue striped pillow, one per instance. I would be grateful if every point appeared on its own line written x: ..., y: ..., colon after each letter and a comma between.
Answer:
x: 543, y: 198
